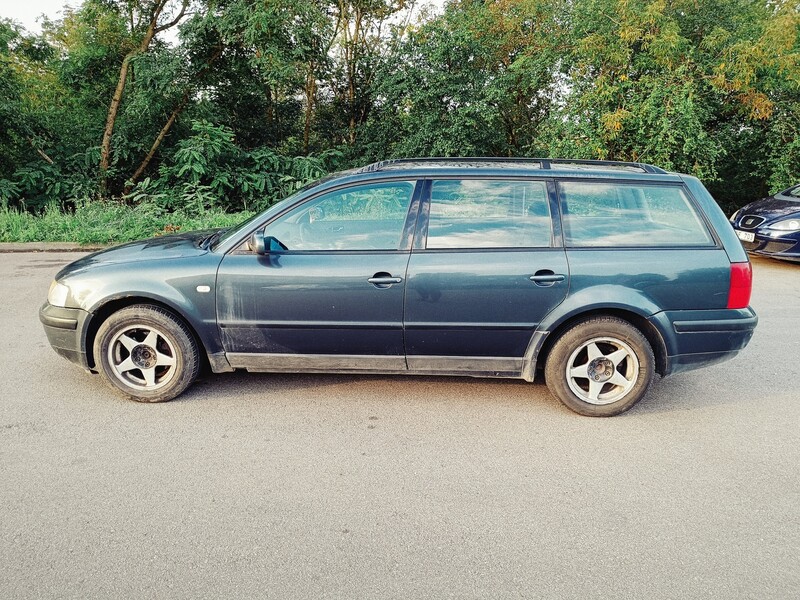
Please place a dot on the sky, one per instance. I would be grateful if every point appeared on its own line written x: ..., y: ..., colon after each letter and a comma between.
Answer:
x: 26, y: 12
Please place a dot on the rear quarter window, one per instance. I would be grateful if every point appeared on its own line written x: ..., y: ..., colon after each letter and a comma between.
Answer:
x: 602, y: 214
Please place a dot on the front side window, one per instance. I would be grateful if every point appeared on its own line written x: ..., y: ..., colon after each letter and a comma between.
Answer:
x: 366, y: 217
x: 600, y: 214
x: 485, y: 213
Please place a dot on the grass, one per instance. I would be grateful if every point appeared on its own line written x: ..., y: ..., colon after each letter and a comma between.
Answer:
x: 106, y: 223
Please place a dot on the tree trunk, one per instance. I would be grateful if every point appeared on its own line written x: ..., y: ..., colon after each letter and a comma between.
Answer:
x: 160, y: 138
x: 113, y: 109
x: 168, y: 125
x: 116, y: 99
x: 311, y: 93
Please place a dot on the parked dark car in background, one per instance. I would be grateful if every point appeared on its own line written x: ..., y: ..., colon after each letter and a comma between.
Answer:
x: 598, y: 274
x: 771, y: 226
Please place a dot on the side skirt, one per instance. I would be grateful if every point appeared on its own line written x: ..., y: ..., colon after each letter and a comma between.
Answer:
x: 469, y: 366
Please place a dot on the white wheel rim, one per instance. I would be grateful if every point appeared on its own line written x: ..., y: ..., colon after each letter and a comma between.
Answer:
x: 142, y: 357
x: 602, y: 370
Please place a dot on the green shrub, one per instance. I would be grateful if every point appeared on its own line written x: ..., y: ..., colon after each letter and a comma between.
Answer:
x: 107, y: 222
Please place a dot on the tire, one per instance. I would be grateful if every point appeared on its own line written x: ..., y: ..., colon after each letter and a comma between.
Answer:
x: 600, y: 367
x: 147, y: 353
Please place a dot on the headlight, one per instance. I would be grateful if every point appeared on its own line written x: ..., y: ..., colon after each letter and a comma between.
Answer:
x: 734, y: 215
x: 787, y: 225
x: 57, y: 296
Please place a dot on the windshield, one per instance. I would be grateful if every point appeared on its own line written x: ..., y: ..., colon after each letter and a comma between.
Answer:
x: 793, y: 192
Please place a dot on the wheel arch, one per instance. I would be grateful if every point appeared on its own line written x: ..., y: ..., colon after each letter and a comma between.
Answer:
x: 101, y: 313
x: 640, y: 322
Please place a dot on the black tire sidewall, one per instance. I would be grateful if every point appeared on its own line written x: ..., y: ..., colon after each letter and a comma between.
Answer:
x: 186, y: 360
x: 580, y: 333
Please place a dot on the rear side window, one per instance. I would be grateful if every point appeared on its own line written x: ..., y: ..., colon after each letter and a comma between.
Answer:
x: 485, y: 213
x: 604, y: 214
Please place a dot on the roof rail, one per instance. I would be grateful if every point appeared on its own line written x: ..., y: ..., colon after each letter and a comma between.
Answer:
x: 541, y: 163
x: 603, y: 164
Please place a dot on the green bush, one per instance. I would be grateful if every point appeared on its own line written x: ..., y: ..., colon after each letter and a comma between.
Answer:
x: 106, y: 222
x: 208, y: 171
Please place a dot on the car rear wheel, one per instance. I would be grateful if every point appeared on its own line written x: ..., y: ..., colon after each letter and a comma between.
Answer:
x: 600, y: 367
x: 147, y: 353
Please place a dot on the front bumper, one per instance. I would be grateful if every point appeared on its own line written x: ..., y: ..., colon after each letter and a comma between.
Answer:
x: 765, y: 244
x: 65, y: 329
x: 698, y: 338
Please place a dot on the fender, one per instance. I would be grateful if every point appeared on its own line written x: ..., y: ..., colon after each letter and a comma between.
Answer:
x: 586, y: 301
x: 186, y: 286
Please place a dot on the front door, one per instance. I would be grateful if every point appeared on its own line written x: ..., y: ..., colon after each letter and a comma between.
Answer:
x: 333, y: 298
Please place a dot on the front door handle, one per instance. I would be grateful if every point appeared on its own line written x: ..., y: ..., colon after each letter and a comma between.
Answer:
x: 384, y: 280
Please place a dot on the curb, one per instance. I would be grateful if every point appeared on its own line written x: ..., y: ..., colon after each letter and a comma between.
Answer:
x: 48, y: 247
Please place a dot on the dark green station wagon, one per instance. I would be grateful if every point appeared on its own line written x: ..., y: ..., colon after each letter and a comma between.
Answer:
x: 600, y: 274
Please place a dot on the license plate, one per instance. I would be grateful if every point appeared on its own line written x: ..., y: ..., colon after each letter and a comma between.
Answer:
x: 746, y: 236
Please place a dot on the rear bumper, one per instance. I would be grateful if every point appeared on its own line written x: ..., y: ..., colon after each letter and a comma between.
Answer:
x: 698, y: 338
x: 64, y: 328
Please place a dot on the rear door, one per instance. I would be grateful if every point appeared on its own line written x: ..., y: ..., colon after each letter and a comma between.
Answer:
x: 486, y: 267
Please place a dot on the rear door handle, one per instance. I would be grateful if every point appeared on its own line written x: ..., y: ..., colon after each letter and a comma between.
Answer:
x: 546, y: 278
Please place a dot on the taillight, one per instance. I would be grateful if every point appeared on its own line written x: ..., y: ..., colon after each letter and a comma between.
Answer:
x: 741, y: 285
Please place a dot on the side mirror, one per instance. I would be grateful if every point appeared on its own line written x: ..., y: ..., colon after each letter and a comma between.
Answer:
x: 257, y: 242
x: 261, y: 244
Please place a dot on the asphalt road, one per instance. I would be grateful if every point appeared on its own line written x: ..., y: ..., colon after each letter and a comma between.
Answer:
x: 292, y: 486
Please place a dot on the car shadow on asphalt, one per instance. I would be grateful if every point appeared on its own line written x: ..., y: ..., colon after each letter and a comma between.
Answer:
x: 680, y: 392
x: 434, y: 388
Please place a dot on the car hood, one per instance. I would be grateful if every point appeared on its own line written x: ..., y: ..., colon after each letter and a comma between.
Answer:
x: 179, y: 245
x: 771, y: 209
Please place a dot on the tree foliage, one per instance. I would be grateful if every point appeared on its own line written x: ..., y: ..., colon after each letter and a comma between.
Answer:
x: 233, y: 104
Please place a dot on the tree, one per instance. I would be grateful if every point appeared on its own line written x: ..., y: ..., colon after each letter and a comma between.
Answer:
x: 478, y: 80
x: 259, y: 92
x: 673, y: 83
x: 361, y: 29
x: 147, y: 18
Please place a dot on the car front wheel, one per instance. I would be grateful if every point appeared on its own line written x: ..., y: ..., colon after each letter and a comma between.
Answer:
x: 147, y: 353
x: 600, y: 367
